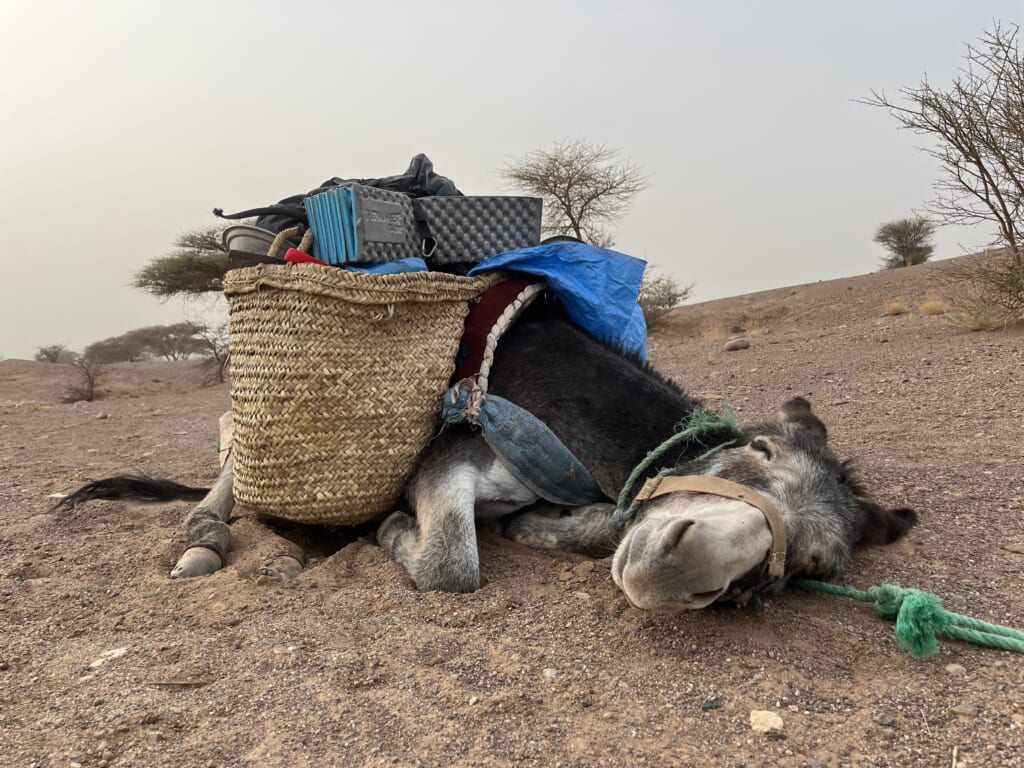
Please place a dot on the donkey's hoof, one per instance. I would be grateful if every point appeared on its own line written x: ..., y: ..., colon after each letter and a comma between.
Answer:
x: 280, y: 569
x: 393, y: 526
x: 196, y: 561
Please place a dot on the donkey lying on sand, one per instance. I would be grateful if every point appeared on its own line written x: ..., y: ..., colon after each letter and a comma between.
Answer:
x: 684, y: 548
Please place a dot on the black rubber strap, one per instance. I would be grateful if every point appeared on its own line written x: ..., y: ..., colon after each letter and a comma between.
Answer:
x: 427, y: 242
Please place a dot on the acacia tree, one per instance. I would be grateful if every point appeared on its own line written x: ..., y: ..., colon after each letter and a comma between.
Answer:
x: 196, y: 266
x: 53, y: 353
x: 977, y: 128
x: 907, y: 240
x: 586, y: 187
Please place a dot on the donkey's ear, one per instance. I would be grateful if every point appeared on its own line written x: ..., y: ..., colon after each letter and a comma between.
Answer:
x: 884, y: 526
x: 798, y: 411
x: 797, y: 408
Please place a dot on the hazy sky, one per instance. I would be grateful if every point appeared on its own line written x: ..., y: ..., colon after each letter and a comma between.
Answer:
x: 124, y: 122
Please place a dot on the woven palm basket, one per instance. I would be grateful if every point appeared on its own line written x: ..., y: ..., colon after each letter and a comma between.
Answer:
x: 336, y: 383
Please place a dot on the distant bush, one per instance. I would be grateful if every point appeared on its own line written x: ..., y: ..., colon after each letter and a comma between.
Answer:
x: 933, y: 305
x: 658, y: 295
x: 90, y: 372
x: 55, y: 353
x: 986, y: 291
x: 893, y: 308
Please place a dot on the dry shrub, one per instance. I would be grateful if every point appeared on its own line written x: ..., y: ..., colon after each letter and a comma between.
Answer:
x: 973, y: 309
x: 659, y: 295
x: 751, y: 327
x: 933, y: 305
x: 985, y: 291
x: 894, y: 308
x: 713, y: 332
x: 89, y: 372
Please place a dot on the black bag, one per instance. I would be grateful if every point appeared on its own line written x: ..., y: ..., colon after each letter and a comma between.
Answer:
x: 419, y: 180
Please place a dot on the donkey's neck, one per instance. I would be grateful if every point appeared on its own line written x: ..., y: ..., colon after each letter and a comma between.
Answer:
x: 608, y: 409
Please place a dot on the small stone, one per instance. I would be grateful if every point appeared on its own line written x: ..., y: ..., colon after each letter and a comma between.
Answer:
x: 967, y: 710
x: 884, y: 718
x: 550, y: 673
x: 956, y: 670
x: 585, y: 597
x: 813, y: 762
x: 565, y: 576
x: 713, y: 703
x: 1017, y: 547
x: 765, y: 721
x: 736, y: 343
x: 102, y: 415
x: 4, y: 666
x: 955, y: 602
x: 473, y: 700
x: 103, y: 763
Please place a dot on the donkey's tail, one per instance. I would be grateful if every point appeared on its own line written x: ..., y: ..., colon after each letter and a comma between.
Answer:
x: 141, y: 487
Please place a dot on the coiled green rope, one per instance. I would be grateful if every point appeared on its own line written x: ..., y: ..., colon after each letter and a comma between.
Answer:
x: 920, y: 618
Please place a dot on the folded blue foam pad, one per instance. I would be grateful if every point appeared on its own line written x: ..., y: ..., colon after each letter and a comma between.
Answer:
x: 353, y: 223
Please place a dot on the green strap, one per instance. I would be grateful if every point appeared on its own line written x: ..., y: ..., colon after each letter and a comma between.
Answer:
x: 699, y: 422
x: 920, y: 618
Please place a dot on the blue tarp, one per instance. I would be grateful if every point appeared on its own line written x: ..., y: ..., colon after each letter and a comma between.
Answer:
x: 597, y: 286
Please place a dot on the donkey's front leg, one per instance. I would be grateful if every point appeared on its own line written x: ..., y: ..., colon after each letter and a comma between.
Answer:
x: 438, y: 546
x: 458, y: 479
x: 208, y: 532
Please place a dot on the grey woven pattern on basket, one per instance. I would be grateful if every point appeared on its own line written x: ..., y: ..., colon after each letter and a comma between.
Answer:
x: 337, y: 380
x: 473, y: 228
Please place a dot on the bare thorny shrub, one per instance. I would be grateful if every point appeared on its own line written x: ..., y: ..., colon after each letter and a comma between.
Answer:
x: 986, y: 291
x: 977, y: 124
x: 89, y: 373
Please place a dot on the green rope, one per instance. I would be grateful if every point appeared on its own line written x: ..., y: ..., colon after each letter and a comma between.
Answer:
x: 690, y: 430
x: 920, y: 618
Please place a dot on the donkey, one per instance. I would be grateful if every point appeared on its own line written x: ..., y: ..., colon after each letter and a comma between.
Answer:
x: 682, y: 548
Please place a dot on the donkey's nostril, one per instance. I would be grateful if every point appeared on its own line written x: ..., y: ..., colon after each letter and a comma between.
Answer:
x: 674, y: 534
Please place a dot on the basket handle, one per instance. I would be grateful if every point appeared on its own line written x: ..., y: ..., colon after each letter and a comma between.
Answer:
x: 287, y: 234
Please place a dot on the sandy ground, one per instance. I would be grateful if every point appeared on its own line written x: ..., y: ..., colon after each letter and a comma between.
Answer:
x: 105, y: 661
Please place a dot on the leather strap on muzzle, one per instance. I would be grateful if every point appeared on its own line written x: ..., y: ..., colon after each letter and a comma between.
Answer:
x: 717, y: 486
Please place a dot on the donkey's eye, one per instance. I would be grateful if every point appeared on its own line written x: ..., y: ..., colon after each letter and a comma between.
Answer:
x: 842, y: 477
x: 760, y: 444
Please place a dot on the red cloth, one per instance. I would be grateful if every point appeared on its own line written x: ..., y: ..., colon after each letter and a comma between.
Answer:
x: 481, y: 319
x: 295, y: 256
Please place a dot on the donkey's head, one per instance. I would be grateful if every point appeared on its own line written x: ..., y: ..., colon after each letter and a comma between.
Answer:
x: 686, y: 549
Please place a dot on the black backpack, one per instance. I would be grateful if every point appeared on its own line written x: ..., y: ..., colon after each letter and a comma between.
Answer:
x: 418, y: 181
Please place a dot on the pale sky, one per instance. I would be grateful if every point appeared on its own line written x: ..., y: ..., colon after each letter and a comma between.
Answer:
x: 124, y: 122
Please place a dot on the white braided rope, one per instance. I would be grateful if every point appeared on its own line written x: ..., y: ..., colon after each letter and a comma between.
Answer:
x: 502, y: 324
